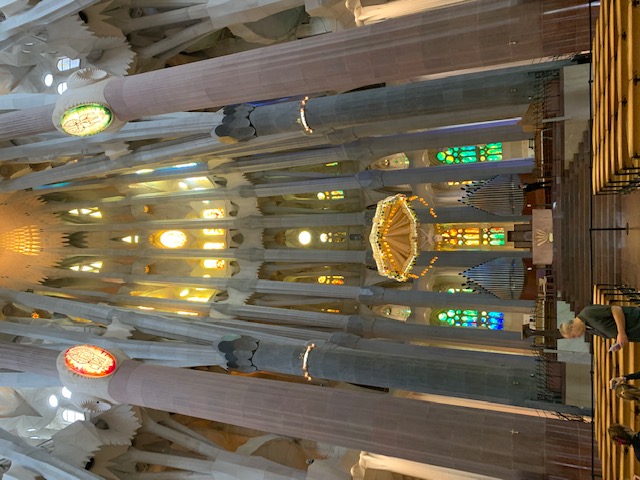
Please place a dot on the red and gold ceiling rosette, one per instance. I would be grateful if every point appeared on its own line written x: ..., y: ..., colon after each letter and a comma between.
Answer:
x: 90, y: 361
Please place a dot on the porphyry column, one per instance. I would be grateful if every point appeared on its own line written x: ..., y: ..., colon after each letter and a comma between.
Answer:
x: 420, y: 431
x: 321, y: 114
x: 503, y: 445
x: 494, y: 32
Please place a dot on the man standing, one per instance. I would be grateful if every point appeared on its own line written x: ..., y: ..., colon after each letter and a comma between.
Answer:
x: 608, y: 321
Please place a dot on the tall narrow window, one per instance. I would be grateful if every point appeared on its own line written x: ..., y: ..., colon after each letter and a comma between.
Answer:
x: 212, y: 213
x: 71, y: 416
x: 490, y: 152
x: 172, y: 239
x: 454, y: 236
x: 66, y: 63
x: 93, y: 212
x: 331, y: 195
x: 333, y: 237
x: 87, y: 266
x: 454, y: 317
x: 331, y: 279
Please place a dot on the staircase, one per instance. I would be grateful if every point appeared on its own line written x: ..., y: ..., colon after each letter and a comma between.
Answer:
x: 584, y: 255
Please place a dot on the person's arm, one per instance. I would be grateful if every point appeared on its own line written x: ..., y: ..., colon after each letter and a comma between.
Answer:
x: 615, y: 381
x: 621, y: 324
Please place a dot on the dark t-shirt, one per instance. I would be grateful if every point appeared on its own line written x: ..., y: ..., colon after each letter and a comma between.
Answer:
x: 599, y: 321
x: 635, y: 442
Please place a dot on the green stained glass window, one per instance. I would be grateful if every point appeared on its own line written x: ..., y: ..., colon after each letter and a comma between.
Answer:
x: 459, y: 290
x: 85, y: 120
x: 490, y: 152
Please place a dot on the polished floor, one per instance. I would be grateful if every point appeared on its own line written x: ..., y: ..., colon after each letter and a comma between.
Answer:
x: 619, y: 463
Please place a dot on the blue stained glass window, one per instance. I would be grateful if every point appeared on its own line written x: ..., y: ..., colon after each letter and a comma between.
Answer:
x: 469, y: 318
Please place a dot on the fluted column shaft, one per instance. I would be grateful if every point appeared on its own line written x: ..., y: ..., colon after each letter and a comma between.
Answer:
x: 495, y: 32
x: 466, y: 258
x: 287, y: 255
x: 377, y: 147
x: 152, y: 155
x: 358, y: 325
x: 466, y: 214
x: 380, y: 296
x: 184, y: 124
x: 375, y: 179
x: 380, y: 104
x: 420, y: 431
x: 416, y: 430
x: 367, y: 295
x: 272, y: 221
x: 445, y: 375
x: 34, y: 459
x: 179, y: 354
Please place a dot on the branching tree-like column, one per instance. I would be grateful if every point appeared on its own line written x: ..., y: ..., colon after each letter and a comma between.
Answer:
x: 416, y: 430
x: 494, y: 32
x: 375, y: 147
x: 36, y: 459
x: 322, y: 114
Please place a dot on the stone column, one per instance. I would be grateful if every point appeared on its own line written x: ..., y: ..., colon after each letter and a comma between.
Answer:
x: 455, y: 94
x: 287, y: 255
x: 372, y: 148
x: 182, y: 124
x: 152, y: 155
x: 375, y: 179
x: 420, y: 431
x: 35, y: 459
x: 169, y: 17
x: 363, y: 58
x: 27, y: 380
x: 369, y: 366
x: 249, y: 222
x: 372, y: 295
x: 227, y: 466
x: 359, y: 325
x: 477, y: 336
x: 450, y: 374
x: 438, y: 353
x: 450, y: 135
x: 499, y: 444
x: 465, y: 258
x: 222, y: 13
x: 367, y: 295
x: 444, y: 173
x: 36, y: 16
x: 492, y: 32
x: 178, y: 354
x: 466, y: 214
x: 20, y: 101
x: 406, y: 467
x: 104, y: 165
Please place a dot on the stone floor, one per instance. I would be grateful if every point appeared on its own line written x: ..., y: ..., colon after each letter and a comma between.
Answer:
x: 619, y: 463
